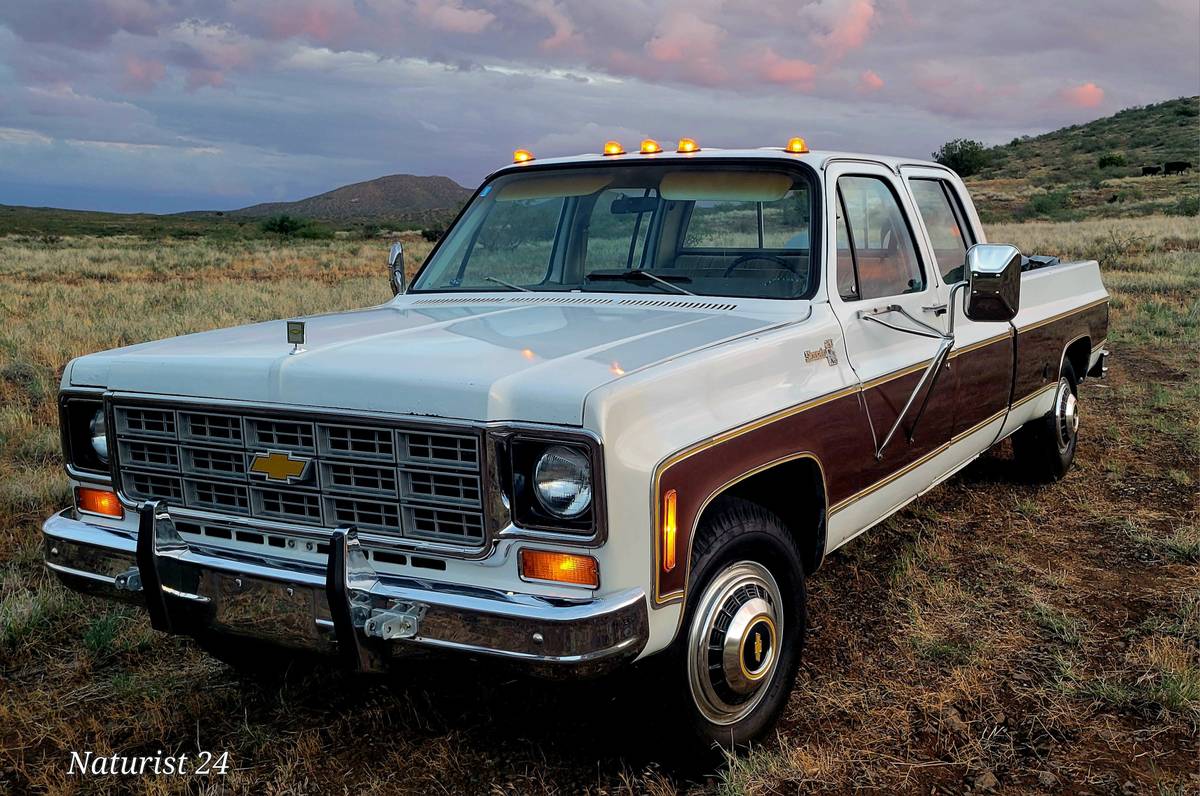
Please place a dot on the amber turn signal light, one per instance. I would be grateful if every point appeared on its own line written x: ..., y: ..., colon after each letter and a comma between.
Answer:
x: 98, y: 501
x: 613, y: 148
x: 796, y: 145
x: 522, y: 156
x: 670, y: 529
x: 686, y: 145
x: 560, y: 567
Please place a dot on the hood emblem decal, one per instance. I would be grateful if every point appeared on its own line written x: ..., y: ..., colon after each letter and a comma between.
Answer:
x: 280, y: 466
x: 295, y: 335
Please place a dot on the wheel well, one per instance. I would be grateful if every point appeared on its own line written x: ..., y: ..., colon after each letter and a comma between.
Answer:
x: 794, y: 491
x: 1078, y: 353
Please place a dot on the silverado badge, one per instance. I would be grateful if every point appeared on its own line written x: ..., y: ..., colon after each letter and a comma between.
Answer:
x: 825, y: 352
x: 277, y: 466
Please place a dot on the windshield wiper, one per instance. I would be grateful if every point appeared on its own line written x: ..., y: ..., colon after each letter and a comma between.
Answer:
x: 638, y: 275
x: 508, y: 285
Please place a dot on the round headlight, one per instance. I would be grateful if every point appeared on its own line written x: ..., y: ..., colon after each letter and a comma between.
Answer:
x: 563, y: 481
x: 98, y: 430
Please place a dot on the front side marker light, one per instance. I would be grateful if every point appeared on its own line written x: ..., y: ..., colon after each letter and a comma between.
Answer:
x: 522, y: 156
x: 571, y: 568
x: 670, y: 528
x: 98, y: 501
x: 613, y: 148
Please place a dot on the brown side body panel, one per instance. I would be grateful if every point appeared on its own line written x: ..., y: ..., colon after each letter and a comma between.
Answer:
x: 1040, y: 346
x: 833, y: 430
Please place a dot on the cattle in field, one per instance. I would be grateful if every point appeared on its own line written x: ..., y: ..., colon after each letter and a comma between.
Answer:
x: 1176, y: 166
x: 1150, y: 171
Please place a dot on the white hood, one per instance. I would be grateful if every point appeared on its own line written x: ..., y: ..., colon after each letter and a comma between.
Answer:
x: 502, y: 359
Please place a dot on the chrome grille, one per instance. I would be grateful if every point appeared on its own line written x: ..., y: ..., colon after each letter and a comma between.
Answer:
x: 409, y: 483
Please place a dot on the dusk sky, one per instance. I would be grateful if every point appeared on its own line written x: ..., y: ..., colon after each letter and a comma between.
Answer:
x: 200, y: 104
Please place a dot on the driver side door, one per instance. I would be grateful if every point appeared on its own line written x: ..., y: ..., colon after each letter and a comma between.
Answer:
x: 882, y: 289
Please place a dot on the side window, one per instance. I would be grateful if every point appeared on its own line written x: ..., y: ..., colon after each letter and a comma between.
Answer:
x: 885, y: 258
x: 946, y: 230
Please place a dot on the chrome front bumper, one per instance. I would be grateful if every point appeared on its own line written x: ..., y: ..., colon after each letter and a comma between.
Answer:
x: 345, y: 608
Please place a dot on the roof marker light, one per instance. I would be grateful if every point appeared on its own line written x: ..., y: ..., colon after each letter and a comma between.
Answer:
x: 796, y: 145
x: 613, y: 148
x: 650, y: 147
x: 522, y: 156
x: 687, y: 145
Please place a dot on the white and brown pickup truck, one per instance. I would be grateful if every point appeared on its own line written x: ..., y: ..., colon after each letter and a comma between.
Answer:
x: 628, y: 404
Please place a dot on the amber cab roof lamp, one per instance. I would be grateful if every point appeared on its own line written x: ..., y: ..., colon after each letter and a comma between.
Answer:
x: 686, y: 145
x: 522, y: 156
x: 613, y: 148
x: 796, y: 146
x: 650, y: 147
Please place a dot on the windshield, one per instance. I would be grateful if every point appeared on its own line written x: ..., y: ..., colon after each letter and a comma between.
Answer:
x: 714, y: 230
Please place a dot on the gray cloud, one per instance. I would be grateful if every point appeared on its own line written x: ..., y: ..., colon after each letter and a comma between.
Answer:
x: 220, y: 103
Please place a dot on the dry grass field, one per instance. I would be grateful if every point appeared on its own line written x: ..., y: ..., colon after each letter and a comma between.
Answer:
x: 994, y: 637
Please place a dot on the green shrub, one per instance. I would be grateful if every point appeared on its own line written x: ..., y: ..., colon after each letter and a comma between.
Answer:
x: 283, y: 225
x: 965, y: 156
x: 1111, y: 160
x: 1186, y: 206
x: 292, y: 227
x: 1052, y: 204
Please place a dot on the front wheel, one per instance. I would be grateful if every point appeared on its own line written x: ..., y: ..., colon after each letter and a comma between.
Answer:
x: 739, y: 648
x: 1044, y: 448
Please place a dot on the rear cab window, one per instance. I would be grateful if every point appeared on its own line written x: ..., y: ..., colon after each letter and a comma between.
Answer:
x: 949, y: 234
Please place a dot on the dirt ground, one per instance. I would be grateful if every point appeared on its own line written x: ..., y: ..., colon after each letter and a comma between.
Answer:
x: 995, y: 636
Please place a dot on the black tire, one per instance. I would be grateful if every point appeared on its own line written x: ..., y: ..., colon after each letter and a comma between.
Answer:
x: 259, y: 660
x: 1043, y: 449
x: 739, y: 538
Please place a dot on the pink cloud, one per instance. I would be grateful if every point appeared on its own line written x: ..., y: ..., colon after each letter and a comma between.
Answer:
x: 451, y: 17
x: 684, y: 36
x: 868, y: 81
x: 1085, y: 95
x: 563, y: 28
x: 315, y: 22
x: 142, y: 74
x: 200, y: 78
x: 849, y: 30
x: 775, y: 68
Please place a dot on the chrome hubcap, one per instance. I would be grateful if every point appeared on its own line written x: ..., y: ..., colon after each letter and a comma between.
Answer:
x: 733, y: 642
x: 1066, y: 415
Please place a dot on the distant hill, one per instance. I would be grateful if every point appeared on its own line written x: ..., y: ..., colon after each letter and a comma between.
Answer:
x: 1094, y: 170
x: 394, y: 196
x: 1145, y: 135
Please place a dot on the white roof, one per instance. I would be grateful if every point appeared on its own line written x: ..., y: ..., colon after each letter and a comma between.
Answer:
x: 816, y: 158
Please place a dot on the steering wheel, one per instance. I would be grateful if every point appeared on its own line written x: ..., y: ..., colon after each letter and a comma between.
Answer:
x: 782, y: 263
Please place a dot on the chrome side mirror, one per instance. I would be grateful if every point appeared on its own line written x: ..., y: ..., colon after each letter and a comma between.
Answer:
x: 993, y: 282
x: 396, y: 268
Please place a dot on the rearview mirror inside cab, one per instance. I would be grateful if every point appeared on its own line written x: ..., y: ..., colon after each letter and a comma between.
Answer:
x: 993, y: 282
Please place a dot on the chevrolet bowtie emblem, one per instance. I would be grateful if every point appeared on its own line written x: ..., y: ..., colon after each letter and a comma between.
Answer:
x: 277, y: 466
x: 758, y: 650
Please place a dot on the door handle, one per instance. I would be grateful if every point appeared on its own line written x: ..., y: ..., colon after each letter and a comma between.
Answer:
x: 936, y: 309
